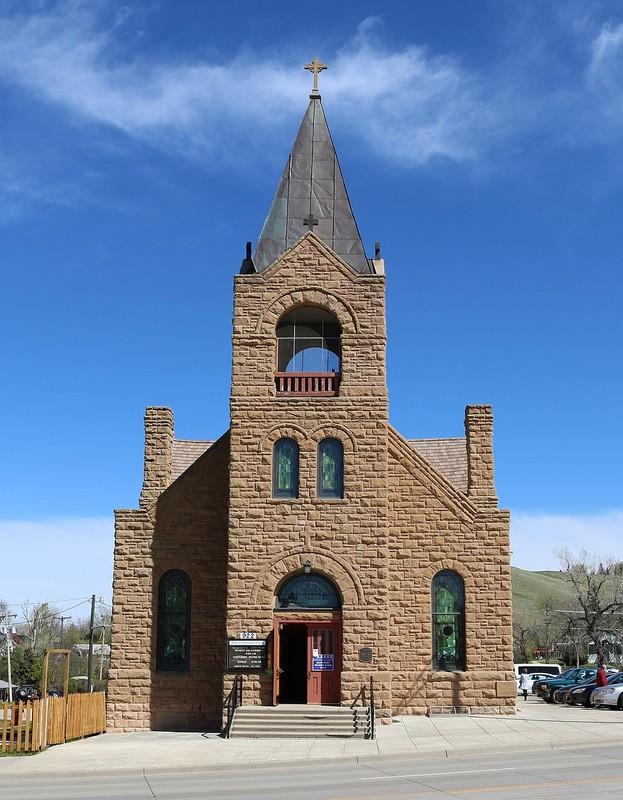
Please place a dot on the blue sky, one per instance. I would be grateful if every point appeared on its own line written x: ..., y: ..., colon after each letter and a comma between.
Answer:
x: 140, y: 147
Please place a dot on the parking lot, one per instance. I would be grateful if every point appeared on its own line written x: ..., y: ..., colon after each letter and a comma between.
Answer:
x: 534, y: 706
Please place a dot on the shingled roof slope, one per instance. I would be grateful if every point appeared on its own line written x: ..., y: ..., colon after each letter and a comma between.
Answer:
x: 186, y: 452
x: 449, y: 456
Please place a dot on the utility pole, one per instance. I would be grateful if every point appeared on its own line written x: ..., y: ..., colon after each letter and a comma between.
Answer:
x: 9, y: 647
x: 90, y: 659
x: 62, y: 619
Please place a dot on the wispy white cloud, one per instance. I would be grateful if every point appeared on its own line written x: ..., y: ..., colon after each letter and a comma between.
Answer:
x: 67, y: 57
x: 21, y: 187
x: 534, y: 537
x: 605, y: 66
x: 604, y: 81
x: 56, y: 559
x: 416, y: 105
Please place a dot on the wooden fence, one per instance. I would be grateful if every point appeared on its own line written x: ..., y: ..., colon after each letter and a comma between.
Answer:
x: 34, y: 725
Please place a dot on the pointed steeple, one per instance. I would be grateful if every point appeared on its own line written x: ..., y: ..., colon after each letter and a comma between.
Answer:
x: 312, y: 196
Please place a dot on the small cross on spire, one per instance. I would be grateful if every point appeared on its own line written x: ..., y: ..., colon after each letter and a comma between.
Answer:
x: 311, y: 221
x: 316, y: 67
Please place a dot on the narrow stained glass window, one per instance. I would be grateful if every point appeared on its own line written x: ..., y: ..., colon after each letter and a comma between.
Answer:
x: 330, y: 468
x: 174, y: 595
x: 448, y: 621
x: 286, y: 468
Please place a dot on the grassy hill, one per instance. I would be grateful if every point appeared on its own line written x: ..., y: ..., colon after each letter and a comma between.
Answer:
x: 533, y: 591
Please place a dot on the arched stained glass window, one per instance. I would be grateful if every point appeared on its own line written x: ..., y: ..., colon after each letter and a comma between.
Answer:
x: 285, y: 468
x: 448, y: 593
x: 173, y: 647
x: 308, y: 591
x: 330, y: 468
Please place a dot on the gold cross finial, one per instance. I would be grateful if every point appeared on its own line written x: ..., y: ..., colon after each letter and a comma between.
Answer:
x: 316, y: 66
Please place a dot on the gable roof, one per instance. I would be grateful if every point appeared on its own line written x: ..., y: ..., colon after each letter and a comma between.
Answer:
x: 449, y: 456
x: 311, y: 196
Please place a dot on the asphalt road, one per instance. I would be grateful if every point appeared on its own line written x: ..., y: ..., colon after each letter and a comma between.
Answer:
x: 569, y: 774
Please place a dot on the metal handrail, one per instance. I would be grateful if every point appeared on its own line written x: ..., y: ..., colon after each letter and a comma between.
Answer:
x: 361, y: 697
x: 232, y: 701
x: 372, y: 714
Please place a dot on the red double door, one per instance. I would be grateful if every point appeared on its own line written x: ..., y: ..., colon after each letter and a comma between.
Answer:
x: 307, y: 662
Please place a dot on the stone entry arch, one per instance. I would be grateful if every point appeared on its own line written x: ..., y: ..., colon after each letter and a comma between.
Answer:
x: 307, y: 641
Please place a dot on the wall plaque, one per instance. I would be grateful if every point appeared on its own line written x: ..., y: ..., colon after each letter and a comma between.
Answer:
x: 246, y: 654
x: 365, y: 655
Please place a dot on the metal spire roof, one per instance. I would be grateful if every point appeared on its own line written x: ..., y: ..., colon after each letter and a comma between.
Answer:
x: 311, y: 196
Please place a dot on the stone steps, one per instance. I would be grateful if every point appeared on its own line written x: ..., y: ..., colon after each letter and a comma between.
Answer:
x: 300, y: 722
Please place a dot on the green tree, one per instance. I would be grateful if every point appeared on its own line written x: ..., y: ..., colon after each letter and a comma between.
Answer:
x: 26, y: 666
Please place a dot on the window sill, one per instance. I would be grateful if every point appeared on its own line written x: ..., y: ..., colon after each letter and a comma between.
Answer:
x: 314, y: 500
x: 287, y: 500
x: 440, y: 674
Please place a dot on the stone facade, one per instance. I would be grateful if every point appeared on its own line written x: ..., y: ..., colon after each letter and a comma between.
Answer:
x: 408, y: 511
x: 184, y: 528
x: 269, y: 538
x: 399, y: 523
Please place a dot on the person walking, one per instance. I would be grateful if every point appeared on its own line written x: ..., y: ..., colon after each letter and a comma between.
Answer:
x: 602, y: 678
x: 524, y: 683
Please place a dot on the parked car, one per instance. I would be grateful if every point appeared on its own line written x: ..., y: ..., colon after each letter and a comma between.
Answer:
x: 26, y: 692
x: 537, y: 683
x: 560, y: 694
x: 581, y: 694
x: 535, y: 676
x: 611, y: 695
x: 545, y: 689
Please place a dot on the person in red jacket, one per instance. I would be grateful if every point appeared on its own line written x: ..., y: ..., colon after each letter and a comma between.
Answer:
x: 602, y: 678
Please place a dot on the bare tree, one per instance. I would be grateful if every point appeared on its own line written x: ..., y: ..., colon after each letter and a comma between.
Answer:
x: 537, y: 633
x: 524, y: 638
x: 40, y: 625
x: 574, y: 640
x: 597, y: 586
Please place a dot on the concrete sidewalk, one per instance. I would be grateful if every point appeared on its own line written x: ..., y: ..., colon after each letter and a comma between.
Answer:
x: 536, y: 726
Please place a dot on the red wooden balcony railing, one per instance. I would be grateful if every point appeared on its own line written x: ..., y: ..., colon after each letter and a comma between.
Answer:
x: 307, y: 384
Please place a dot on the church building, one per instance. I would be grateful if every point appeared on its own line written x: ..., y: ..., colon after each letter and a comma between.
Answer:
x: 312, y: 547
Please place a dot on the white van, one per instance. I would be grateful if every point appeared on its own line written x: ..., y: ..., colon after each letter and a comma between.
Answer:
x: 537, y: 668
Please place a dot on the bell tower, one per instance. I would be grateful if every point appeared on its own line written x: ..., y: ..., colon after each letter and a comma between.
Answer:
x: 309, y: 428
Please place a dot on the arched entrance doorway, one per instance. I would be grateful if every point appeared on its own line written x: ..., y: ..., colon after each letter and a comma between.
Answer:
x: 307, y: 656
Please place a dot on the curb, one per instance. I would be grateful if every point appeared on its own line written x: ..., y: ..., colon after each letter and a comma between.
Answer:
x: 405, y: 755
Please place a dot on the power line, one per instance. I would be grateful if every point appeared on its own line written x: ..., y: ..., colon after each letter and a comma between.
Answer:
x: 54, y: 612
x: 28, y: 603
x: 67, y: 600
